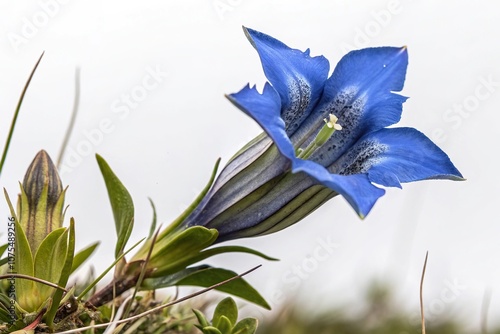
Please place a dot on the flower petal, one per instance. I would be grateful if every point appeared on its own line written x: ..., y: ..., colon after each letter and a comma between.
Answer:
x: 396, y: 155
x: 356, y: 189
x: 360, y: 94
x: 297, y: 77
x: 265, y: 110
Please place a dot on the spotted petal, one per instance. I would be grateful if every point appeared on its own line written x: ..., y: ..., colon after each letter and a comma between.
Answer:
x: 360, y: 93
x: 357, y: 189
x: 397, y: 155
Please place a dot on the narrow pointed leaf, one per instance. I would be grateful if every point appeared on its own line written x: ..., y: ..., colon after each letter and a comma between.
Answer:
x: 152, y: 229
x: 24, y: 265
x: 201, y: 318
x: 65, y: 272
x: 170, y: 280
x: 3, y: 248
x: 121, y: 204
x: 16, y: 113
x: 231, y: 249
x: 238, y: 287
x: 83, y: 255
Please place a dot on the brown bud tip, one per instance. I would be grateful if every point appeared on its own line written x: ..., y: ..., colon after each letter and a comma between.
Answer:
x: 42, y: 172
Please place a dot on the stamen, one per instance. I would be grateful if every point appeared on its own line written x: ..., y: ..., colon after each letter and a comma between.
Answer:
x: 322, y: 137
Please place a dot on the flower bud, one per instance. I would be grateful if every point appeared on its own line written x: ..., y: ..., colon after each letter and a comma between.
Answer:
x: 41, y: 201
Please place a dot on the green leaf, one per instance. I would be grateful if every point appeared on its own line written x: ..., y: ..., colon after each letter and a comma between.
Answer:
x: 49, y: 261
x: 4, y: 316
x: 246, y: 326
x: 201, y: 318
x: 171, y: 279
x: 227, y: 308
x: 68, y: 247
x: 121, y: 204
x: 230, y: 249
x: 224, y: 325
x: 4, y: 308
x: 210, y: 330
x: 83, y: 255
x: 24, y: 265
x: 9, y: 204
x: 238, y: 287
x: 3, y: 248
x: 44, y: 258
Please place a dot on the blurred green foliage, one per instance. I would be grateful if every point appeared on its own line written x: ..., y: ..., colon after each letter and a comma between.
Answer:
x: 380, y: 315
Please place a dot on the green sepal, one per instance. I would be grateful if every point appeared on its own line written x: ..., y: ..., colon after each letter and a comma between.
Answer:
x: 170, y: 256
x: 192, y: 206
x: 227, y: 308
x: 23, y: 210
x: 246, y: 326
x: 83, y: 255
x: 9, y: 203
x: 121, y: 204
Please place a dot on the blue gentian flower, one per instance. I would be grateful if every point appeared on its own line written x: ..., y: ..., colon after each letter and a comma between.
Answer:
x: 325, y: 136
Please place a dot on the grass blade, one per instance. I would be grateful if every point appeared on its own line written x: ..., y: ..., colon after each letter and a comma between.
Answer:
x: 16, y: 113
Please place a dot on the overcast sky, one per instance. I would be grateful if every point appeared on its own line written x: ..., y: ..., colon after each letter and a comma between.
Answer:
x: 153, y: 79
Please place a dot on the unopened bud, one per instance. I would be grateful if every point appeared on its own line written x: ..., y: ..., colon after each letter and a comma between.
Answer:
x: 42, y: 200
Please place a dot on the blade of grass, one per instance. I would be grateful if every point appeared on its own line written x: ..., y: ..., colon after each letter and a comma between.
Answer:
x: 16, y: 113
x: 153, y: 223
x: 160, y: 307
x: 421, y: 293
x: 34, y: 279
x: 143, y: 272
x: 485, y: 305
x: 74, y: 112
x: 88, y: 288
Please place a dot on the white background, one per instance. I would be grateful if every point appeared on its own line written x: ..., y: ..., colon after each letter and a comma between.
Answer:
x: 166, y: 145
